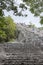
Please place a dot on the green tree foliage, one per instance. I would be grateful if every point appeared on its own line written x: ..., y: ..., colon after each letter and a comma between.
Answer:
x: 41, y: 21
x: 11, y: 5
x: 40, y: 28
x: 2, y: 32
x: 36, y: 6
x: 2, y: 36
x: 7, y: 29
x: 31, y: 25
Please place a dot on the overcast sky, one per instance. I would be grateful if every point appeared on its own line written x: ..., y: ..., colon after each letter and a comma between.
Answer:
x: 26, y: 20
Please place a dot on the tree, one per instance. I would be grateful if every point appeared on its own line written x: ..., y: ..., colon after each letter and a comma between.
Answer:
x: 2, y: 32
x: 36, y: 6
x: 2, y: 36
x: 11, y: 5
x: 11, y: 27
x: 7, y: 29
x: 41, y: 21
x: 31, y: 25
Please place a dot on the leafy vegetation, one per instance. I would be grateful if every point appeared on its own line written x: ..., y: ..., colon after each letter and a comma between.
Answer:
x: 40, y: 28
x: 41, y: 21
x: 36, y: 7
x: 7, y: 29
x: 7, y: 26
x: 31, y: 25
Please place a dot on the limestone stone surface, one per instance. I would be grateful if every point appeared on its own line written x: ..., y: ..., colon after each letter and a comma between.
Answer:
x: 26, y: 50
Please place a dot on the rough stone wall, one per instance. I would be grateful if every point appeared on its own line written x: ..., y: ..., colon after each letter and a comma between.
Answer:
x: 27, y: 50
x: 20, y: 54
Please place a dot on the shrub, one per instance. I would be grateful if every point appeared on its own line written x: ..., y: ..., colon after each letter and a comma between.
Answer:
x: 7, y: 29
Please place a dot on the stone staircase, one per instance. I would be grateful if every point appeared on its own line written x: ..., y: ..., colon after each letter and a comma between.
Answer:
x: 27, y: 50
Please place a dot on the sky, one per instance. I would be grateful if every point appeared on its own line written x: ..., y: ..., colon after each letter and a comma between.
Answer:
x: 26, y: 20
